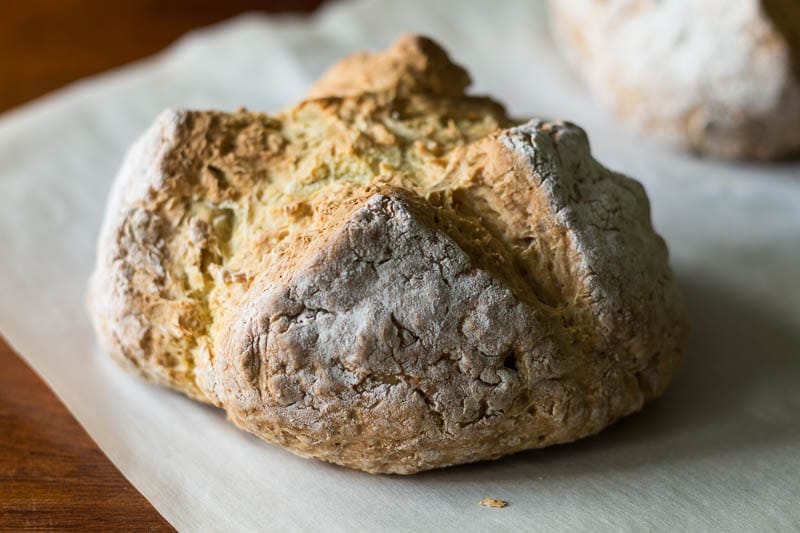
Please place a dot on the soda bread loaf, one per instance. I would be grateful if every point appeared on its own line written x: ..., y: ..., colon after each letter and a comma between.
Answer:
x: 390, y: 275
x: 716, y: 76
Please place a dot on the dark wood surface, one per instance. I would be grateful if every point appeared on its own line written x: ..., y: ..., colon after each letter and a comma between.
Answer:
x: 52, y: 475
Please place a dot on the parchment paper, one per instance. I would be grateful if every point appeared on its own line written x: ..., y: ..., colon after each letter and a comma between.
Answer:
x: 721, y: 451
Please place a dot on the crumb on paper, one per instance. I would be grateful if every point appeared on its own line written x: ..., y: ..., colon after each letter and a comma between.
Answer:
x: 494, y: 503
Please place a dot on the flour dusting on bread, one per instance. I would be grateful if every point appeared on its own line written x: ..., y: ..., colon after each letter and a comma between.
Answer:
x: 390, y: 275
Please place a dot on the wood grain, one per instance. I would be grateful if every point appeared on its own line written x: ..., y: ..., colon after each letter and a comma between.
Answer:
x: 45, y: 44
x: 52, y: 475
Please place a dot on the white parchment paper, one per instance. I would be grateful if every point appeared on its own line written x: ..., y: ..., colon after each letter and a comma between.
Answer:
x: 721, y: 451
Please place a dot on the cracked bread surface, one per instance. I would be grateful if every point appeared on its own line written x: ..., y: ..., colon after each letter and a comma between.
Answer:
x: 390, y: 275
x: 716, y: 77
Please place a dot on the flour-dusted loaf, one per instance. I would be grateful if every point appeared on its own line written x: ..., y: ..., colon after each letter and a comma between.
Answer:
x: 716, y: 76
x: 390, y: 275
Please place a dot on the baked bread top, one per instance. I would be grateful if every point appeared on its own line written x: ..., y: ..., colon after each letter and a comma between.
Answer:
x: 717, y: 77
x: 389, y: 275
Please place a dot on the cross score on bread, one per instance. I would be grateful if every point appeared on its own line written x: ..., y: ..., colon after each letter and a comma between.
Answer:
x: 390, y: 275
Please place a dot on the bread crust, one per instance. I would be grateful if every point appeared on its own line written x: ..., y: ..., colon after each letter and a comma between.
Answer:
x: 394, y: 278
x: 715, y: 77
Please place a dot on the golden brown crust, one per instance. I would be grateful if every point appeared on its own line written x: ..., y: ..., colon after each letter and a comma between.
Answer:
x: 413, y: 65
x: 392, y: 278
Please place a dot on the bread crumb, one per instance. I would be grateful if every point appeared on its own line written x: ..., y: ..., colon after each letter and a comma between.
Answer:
x: 494, y: 503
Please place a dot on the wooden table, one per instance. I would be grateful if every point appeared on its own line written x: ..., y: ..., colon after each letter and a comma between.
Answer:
x: 52, y: 475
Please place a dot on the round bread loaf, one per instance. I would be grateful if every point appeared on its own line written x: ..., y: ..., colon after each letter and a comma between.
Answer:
x: 390, y: 275
x: 716, y: 76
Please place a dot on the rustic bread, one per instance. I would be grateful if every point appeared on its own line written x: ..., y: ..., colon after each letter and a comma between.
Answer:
x: 389, y: 275
x: 717, y: 76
